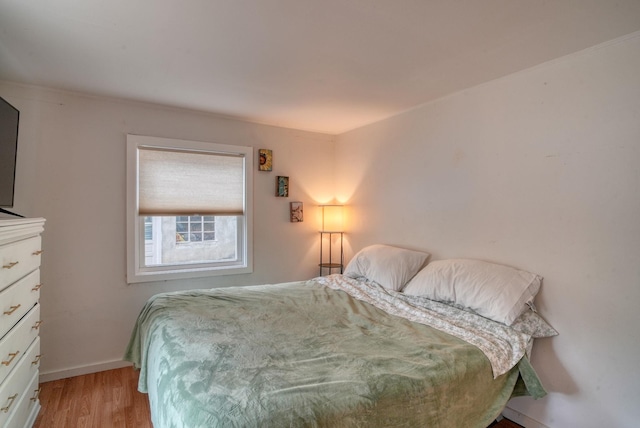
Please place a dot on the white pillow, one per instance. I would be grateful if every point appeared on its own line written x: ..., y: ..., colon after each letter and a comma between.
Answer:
x: 389, y: 266
x: 494, y: 291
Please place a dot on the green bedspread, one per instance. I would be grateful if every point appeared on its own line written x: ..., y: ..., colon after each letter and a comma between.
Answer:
x: 305, y: 355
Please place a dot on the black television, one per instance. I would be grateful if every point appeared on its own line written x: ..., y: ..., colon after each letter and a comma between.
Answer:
x: 9, y: 119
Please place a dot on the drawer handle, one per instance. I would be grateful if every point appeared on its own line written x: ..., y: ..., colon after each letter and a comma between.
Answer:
x: 11, y: 399
x: 36, y: 360
x: 37, y: 287
x: 12, y: 309
x: 13, y: 355
x: 37, y: 252
x: 37, y: 325
x: 10, y: 265
x: 36, y: 394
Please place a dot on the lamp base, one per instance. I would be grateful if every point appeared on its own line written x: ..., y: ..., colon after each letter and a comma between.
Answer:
x: 330, y: 265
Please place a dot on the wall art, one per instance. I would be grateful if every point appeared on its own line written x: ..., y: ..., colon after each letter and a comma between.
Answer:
x: 282, y: 186
x: 266, y: 160
x: 296, y: 212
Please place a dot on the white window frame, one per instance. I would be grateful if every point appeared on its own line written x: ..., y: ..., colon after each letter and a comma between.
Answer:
x: 136, y: 271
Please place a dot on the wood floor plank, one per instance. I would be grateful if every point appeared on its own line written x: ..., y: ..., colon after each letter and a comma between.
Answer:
x: 97, y: 400
x: 107, y: 399
x: 505, y: 423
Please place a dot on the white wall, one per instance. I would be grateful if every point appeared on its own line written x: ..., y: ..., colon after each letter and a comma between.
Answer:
x: 538, y: 170
x: 71, y: 170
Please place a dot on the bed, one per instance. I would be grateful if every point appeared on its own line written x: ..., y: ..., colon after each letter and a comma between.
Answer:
x: 335, y: 351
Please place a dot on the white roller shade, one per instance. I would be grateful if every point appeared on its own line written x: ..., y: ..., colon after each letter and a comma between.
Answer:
x: 175, y: 182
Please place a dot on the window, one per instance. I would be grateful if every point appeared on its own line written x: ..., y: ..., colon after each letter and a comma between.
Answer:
x: 188, y: 209
x: 195, y: 228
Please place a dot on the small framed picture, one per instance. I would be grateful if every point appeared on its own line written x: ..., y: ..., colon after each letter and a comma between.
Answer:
x: 265, y: 160
x: 296, y: 212
x: 282, y: 186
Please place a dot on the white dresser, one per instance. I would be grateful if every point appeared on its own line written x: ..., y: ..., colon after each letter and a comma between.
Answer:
x: 20, y: 249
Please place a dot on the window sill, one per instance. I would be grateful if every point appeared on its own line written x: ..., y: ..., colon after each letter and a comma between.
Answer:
x: 163, y: 274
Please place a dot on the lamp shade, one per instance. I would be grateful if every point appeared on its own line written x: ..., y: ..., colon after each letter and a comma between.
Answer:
x: 332, y: 218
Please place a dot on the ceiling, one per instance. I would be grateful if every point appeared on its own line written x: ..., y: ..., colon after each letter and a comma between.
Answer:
x: 319, y: 65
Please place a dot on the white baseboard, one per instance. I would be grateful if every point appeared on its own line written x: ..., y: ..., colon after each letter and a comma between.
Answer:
x: 521, y: 419
x: 83, y: 370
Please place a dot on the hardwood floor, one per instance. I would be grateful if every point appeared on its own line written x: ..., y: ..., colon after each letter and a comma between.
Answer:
x: 108, y: 399
x: 505, y: 423
x: 98, y: 400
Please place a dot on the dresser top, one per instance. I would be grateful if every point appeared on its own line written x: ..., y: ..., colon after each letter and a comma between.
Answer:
x: 14, y: 230
x: 8, y: 222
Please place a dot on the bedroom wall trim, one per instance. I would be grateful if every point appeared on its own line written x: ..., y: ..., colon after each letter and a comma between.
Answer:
x: 83, y: 370
x: 521, y: 419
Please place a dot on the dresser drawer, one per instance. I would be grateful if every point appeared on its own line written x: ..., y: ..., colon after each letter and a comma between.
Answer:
x: 16, y: 386
x: 16, y: 342
x: 26, y: 410
x: 17, y: 300
x: 18, y: 259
